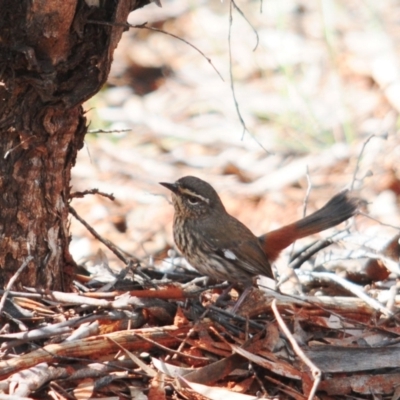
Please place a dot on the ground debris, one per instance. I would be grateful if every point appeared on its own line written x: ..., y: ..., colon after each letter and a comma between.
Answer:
x: 104, y: 343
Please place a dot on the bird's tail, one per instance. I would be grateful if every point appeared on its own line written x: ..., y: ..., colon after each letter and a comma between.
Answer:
x: 340, y: 208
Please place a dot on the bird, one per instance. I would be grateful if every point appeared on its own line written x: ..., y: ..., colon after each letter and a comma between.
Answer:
x: 221, y: 247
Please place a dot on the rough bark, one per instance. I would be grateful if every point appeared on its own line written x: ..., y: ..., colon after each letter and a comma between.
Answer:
x: 52, y: 59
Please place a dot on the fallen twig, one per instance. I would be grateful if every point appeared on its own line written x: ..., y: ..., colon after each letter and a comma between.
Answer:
x: 315, y: 371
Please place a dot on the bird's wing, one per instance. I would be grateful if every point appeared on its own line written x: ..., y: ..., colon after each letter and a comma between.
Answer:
x: 246, y: 254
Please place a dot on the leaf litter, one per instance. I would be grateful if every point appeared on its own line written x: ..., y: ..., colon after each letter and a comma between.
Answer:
x: 312, y: 94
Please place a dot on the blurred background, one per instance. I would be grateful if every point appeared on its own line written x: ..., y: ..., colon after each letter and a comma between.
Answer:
x: 313, y: 80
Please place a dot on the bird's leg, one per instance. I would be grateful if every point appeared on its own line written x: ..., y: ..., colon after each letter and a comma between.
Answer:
x: 242, y: 298
x: 222, y: 297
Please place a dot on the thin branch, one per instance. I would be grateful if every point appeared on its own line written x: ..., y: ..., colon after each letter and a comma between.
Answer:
x: 359, y: 159
x: 380, y: 222
x: 226, y: 314
x: 12, y: 281
x: 355, y: 289
x: 106, y: 242
x: 144, y: 26
x: 231, y: 71
x: 187, y: 337
x: 109, y: 131
x: 91, y: 191
x: 309, y: 187
x: 141, y: 364
x: 168, y: 350
x: 315, y: 371
x: 232, y: 84
x: 305, y: 203
x: 248, y: 22
x: 298, y: 258
x: 119, y: 253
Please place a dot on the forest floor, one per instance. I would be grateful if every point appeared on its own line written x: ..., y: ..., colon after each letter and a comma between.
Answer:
x: 312, y: 109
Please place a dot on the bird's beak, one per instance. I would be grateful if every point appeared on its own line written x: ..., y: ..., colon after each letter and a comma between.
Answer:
x: 173, y: 187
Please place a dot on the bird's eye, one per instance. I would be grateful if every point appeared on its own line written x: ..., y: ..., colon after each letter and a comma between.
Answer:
x: 193, y: 200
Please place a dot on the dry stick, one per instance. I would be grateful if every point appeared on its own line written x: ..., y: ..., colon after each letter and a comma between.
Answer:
x: 92, y: 191
x: 315, y: 371
x: 356, y: 290
x: 359, y: 159
x: 324, y: 305
x: 22, y: 294
x: 144, y: 26
x: 219, y: 311
x: 231, y: 72
x: 112, y: 247
x: 306, y: 253
x: 192, y: 330
x: 169, y: 350
x: 12, y: 281
x: 305, y: 203
x: 148, y: 370
x: 232, y: 85
x: 57, y: 329
x: 60, y: 391
x: 109, y: 131
x: 106, y: 242
x: 307, y: 196
x: 284, y: 388
x: 92, y: 347
x: 380, y: 222
x: 300, y: 257
x: 248, y: 22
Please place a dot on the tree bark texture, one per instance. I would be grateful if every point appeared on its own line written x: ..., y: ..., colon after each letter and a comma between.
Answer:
x: 52, y: 59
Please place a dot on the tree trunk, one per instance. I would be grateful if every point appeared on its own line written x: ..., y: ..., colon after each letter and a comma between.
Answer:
x: 52, y: 59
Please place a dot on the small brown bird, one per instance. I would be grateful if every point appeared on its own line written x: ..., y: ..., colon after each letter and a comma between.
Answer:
x: 221, y: 247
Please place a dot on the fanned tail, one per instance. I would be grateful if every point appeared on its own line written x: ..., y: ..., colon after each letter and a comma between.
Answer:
x: 340, y: 208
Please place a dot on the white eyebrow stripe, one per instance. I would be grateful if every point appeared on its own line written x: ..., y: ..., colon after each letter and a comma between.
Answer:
x: 229, y: 254
x: 190, y: 193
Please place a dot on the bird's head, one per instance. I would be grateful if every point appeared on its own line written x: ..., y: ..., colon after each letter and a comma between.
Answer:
x: 194, y: 198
